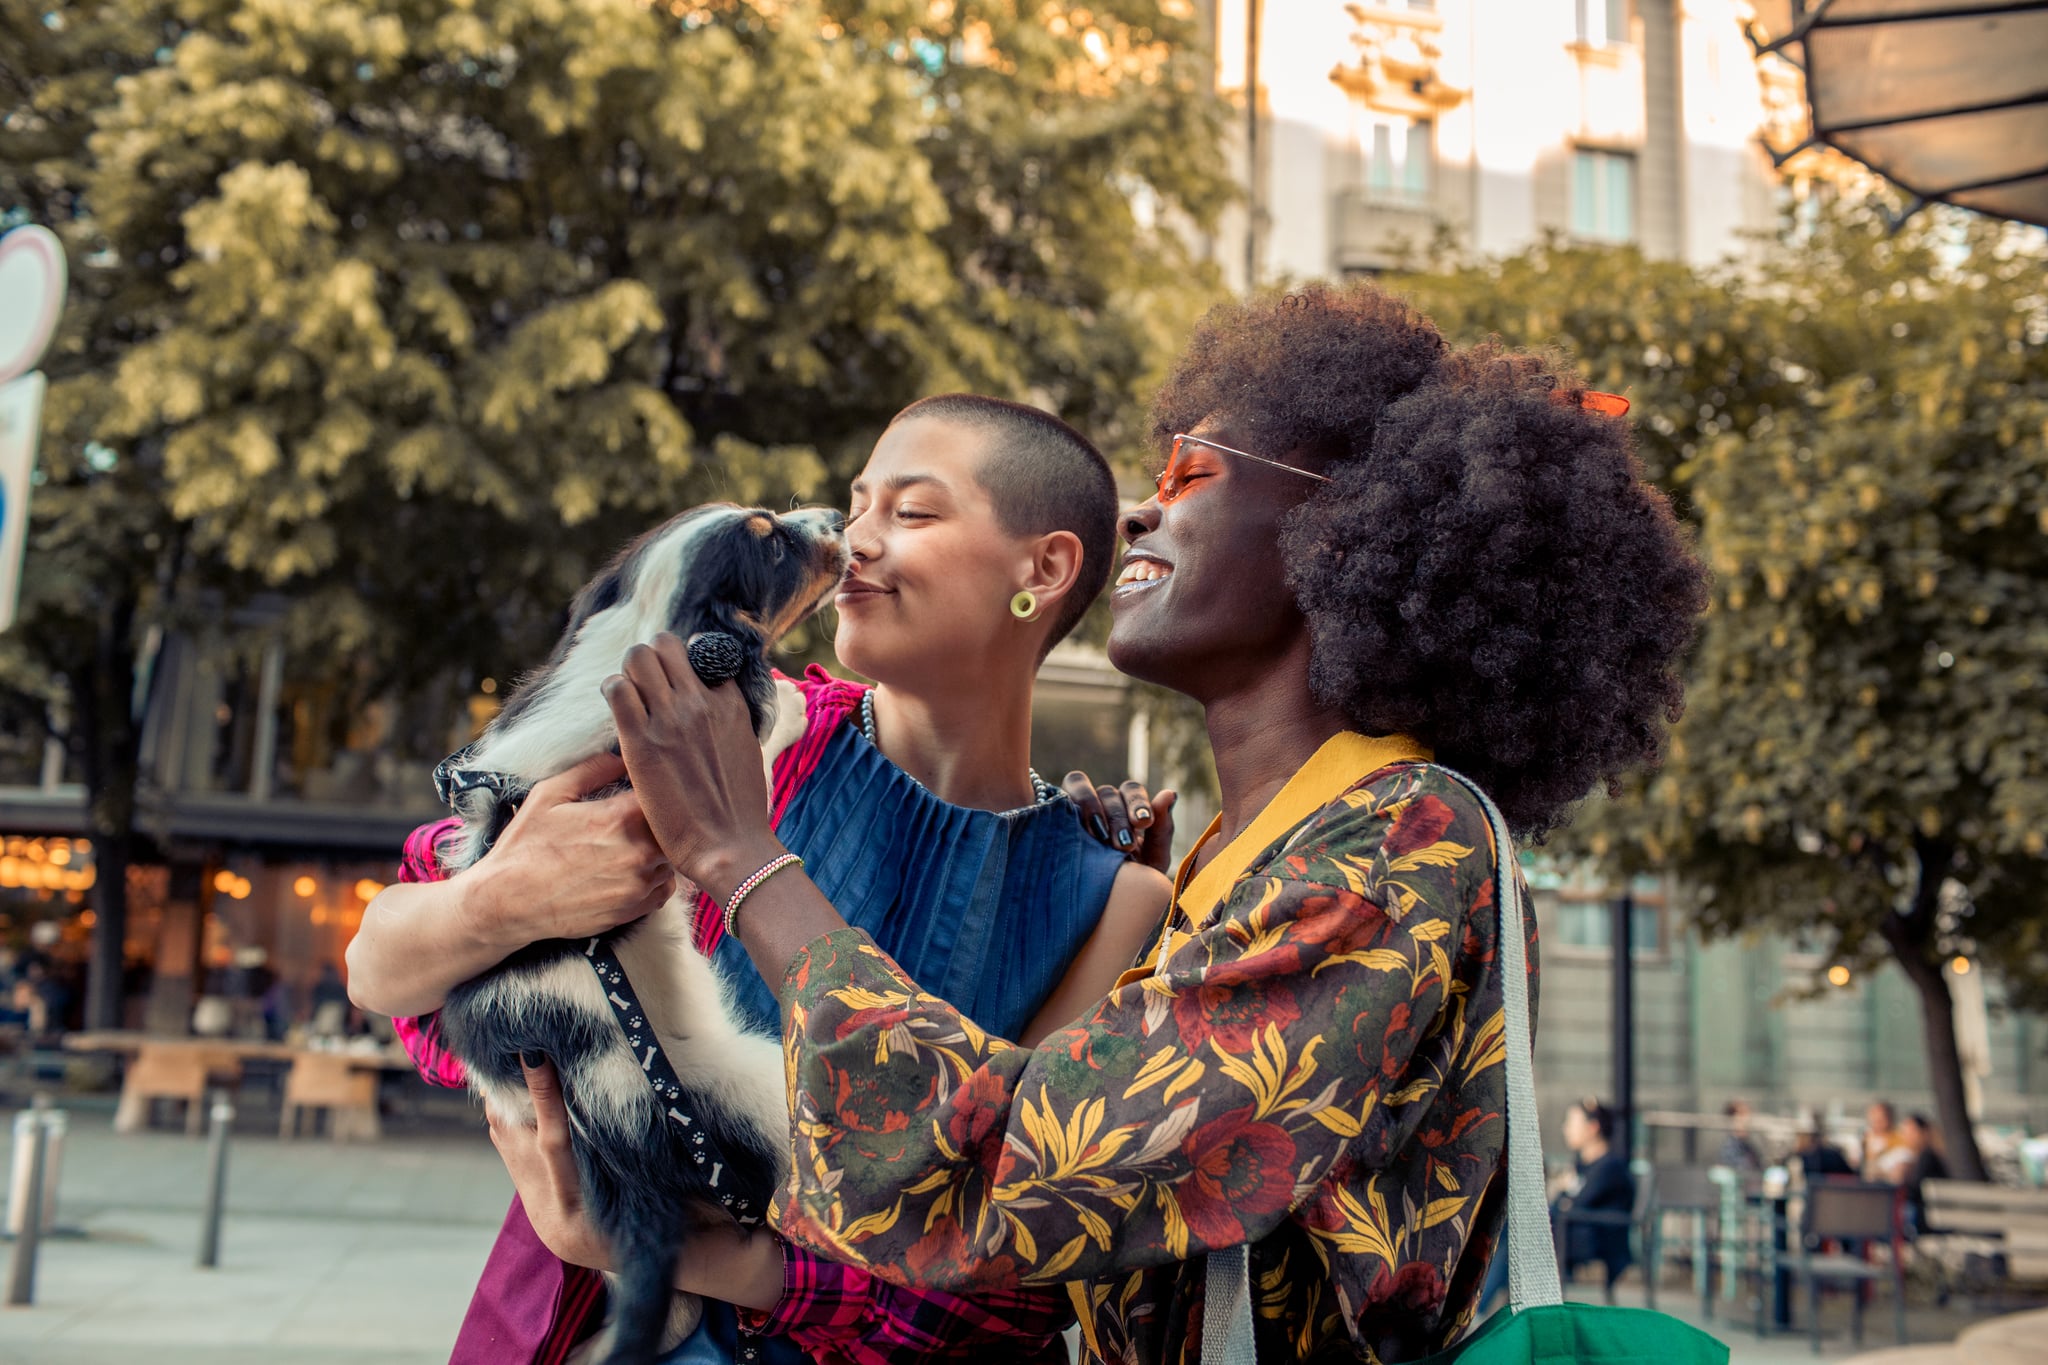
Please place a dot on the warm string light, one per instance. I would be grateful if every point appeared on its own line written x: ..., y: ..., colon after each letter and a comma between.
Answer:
x: 36, y: 864
x: 1838, y: 975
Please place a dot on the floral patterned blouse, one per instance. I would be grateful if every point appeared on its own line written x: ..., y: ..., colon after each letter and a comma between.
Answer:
x: 1314, y: 1066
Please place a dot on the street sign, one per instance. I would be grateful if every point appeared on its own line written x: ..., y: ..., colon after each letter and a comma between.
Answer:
x: 32, y: 276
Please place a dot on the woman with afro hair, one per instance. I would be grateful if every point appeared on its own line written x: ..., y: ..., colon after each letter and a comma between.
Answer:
x: 1367, y: 551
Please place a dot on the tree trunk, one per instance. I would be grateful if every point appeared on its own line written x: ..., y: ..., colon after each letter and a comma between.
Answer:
x: 110, y: 741
x: 1913, y: 940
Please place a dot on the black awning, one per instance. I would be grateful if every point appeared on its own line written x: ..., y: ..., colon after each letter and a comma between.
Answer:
x: 1946, y: 98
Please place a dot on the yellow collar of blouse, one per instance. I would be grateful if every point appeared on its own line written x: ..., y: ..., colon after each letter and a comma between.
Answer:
x: 1338, y: 766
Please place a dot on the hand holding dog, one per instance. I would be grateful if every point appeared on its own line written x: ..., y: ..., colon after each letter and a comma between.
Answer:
x: 543, y: 1171
x: 567, y: 866
x: 695, y: 764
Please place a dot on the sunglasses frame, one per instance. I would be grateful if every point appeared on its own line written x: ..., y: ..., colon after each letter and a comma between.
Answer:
x: 1182, y: 438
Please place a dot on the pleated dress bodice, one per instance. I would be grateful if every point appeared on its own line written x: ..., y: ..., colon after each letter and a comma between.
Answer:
x: 982, y: 908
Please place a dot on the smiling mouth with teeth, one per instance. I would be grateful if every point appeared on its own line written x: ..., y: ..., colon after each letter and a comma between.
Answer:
x: 1140, y: 573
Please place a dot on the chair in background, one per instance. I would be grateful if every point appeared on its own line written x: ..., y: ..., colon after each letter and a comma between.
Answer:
x: 1848, y: 1213
x: 1692, y: 1193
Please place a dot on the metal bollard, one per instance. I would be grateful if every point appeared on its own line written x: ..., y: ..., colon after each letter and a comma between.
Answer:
x: 221, y: 1117
x: 54, y: 1123
x: 21, y: 1276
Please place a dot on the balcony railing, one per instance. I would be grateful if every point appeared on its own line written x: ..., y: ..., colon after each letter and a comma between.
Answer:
x: 1383, y: 229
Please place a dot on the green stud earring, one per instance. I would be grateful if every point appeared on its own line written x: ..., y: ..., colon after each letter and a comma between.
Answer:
x: 1024, y: 605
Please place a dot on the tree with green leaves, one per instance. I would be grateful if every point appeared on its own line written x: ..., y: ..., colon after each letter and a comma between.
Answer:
x: 1857, y: 424
x: 403, y: 312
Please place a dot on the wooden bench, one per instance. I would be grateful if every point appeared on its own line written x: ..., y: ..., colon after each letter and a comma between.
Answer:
x: 1969, y: 1224
x: 174, y: 1071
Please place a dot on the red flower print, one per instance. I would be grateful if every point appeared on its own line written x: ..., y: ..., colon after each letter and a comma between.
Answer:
x: 1237, y: 1168
x: 1233, y: 1018
x: 886, y: 1017
x: 943, y: 1253
x: 1421, y: 823
x: 979, y: 1106
x: 1416, y: 1285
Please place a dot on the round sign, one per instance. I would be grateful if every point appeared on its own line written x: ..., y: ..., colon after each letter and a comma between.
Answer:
x: 31, y: 297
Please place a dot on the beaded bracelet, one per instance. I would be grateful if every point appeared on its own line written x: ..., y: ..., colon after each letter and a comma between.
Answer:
x: 746, y: 888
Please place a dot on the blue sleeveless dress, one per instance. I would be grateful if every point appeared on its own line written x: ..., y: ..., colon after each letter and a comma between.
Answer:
x: 983, y: 909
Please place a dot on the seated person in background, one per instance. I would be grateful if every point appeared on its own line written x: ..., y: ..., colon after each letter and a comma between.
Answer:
x: 1816, y: 1156
x: 1886, y: 1154
x: 1737, y: 1149
x: 1601, y: 1185
x: 1924, y: 1141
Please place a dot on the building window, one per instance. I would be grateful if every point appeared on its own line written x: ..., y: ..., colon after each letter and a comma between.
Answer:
x: 1590, y: 924
x: 1603, y: 23
x: 1398, y: 164
x: 1604, y: 196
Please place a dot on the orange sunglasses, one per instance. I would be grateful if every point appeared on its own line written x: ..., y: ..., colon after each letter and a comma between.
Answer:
x: 1173, y: 478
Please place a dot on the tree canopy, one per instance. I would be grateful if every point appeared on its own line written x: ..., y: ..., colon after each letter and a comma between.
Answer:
x: 1856, y: 422
x: 403, y: 312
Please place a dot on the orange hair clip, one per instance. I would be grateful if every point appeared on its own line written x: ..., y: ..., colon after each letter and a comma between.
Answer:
x: 1610, y: 404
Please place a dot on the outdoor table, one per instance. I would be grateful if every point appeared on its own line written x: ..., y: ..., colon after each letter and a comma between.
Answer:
x: 181, y: 1068
x: 164, y: 1067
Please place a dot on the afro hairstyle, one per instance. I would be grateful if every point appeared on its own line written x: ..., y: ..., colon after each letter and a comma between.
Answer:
x: 1487, y: 572
x: 1495, y: 578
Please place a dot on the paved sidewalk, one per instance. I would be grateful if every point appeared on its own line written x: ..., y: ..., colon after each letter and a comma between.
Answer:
x: 330, y: 1255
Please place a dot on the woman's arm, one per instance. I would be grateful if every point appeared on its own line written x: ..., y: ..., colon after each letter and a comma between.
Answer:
x: 566, y: 867
x: 1189, y: 1111
x: 1131, y: 920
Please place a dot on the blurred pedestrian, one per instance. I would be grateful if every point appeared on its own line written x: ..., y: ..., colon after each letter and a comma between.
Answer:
x: 1886, y: 1153
x: 1816, y: 1157
x: 1924, y: 1141
x: 1737, y: 1150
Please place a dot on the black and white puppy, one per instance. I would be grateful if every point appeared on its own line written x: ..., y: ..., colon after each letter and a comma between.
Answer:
x: 752, y: 575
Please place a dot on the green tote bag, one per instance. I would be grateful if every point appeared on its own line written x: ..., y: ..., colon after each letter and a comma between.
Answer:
x: 1537, y: 1327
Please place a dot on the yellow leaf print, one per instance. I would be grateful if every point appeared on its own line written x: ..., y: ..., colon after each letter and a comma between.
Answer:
x: 1412, y: 1092
x: 1061, y: 1259
x: 1191, y: 1076
x: 1020, y: 1237
x: 1430, y: 930
x: 1443, y: 853
x: 1444, y: 1177
x: 1489, y: 1044
x: 1378, y: 959
x: 1094, y: 1225
x: 858, y: 998
x: 1175, y: 1227
x: 1157, y: 1067
x: 860, y: 1229
x: 1437, y: 1210
x: 937, y: 1180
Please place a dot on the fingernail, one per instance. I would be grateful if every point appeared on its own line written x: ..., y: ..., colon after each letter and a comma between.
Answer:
x: 1141, y: 813
x: 1123, y: 838
x: 533, y: 1058
x: 1099, y: 825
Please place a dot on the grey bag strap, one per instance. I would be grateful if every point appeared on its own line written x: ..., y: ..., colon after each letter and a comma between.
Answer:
x: 1532, y: 1256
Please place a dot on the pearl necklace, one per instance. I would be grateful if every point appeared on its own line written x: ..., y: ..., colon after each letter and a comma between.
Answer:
x: 1042, y: 791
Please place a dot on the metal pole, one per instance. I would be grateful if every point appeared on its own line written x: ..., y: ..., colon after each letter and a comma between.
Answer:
x: 221, y: 1117
x: 1251, y: 145
x: 1624, y: 939
x: 21, y: 1278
